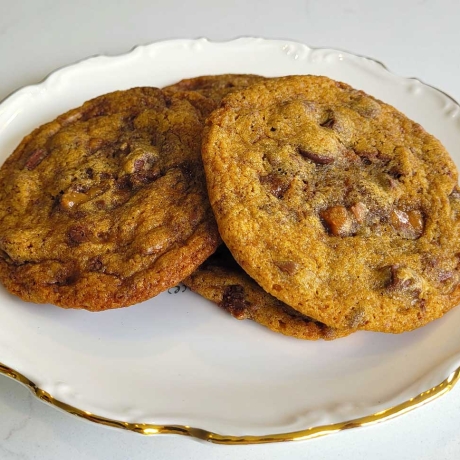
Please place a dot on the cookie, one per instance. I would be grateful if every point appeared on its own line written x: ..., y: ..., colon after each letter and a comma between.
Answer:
x: 215, y: 87
x: 336, y: 203
x: 106, y: 206
x: 222, y: 281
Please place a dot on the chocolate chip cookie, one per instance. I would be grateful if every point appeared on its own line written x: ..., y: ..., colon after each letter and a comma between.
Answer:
x: 222, y: 281
x: 106, y: 206
x: 336, y: 203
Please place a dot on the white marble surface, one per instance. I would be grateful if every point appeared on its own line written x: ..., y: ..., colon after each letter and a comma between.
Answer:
x: 412, y: 37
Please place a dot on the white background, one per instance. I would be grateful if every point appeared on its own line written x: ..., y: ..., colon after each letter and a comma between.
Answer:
x: 412, y: 37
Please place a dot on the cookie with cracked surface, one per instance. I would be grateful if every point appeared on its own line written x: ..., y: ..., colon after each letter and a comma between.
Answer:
x: 106, y: 206
x: 222, y: 281
x: 215, y: 87
x: 336, y: 203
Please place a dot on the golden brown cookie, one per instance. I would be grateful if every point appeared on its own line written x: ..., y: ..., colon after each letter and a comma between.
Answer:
x: 215, y: 87
x: 336, y: 203
x: 106, y: 206
x: 222, y: 281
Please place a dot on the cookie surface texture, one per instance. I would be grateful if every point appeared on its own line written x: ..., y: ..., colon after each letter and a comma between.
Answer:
x: 336, y: 203
x: 215, y: 87
x: 106, y: 206
x: 222, y: 281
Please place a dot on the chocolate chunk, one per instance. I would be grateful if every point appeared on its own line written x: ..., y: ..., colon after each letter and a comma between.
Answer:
x: 68, y: 280
x: 95, y: 264
x: 124, y: 183
x: 318, y: 158
x: 70, y: 118
x: 77, y: 234
x: 140, y: 178
x: 139, y: 165
x: 444, y: 275
x: 105, y: 175
x: 234, y: 302
x: 396, y: 172
x: 35, y: 158
x: 4, y: 255
x: 287, y: 266
x: 404, y: 280
x: 277, y: 185
x: 329, y: 120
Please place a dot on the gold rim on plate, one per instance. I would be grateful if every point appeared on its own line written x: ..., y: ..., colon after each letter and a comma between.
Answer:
x: 205, y: 435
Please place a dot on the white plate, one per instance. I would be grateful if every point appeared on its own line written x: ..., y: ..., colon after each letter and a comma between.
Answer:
x: 177, y: 359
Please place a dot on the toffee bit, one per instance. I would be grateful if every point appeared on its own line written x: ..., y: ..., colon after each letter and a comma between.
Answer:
x: 360, y: 211
x: 408, y: 224
x: 337, y: 220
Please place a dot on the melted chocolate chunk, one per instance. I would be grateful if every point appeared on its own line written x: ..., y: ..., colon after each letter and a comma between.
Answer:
x: 318, y: 158
x: 277, y: 185
x: 404, y: 280
x: 234, y: 302
x: 77, y: 235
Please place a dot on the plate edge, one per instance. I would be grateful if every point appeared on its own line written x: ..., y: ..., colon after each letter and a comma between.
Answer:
x: 148, y: 429
x: 247, y: 38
